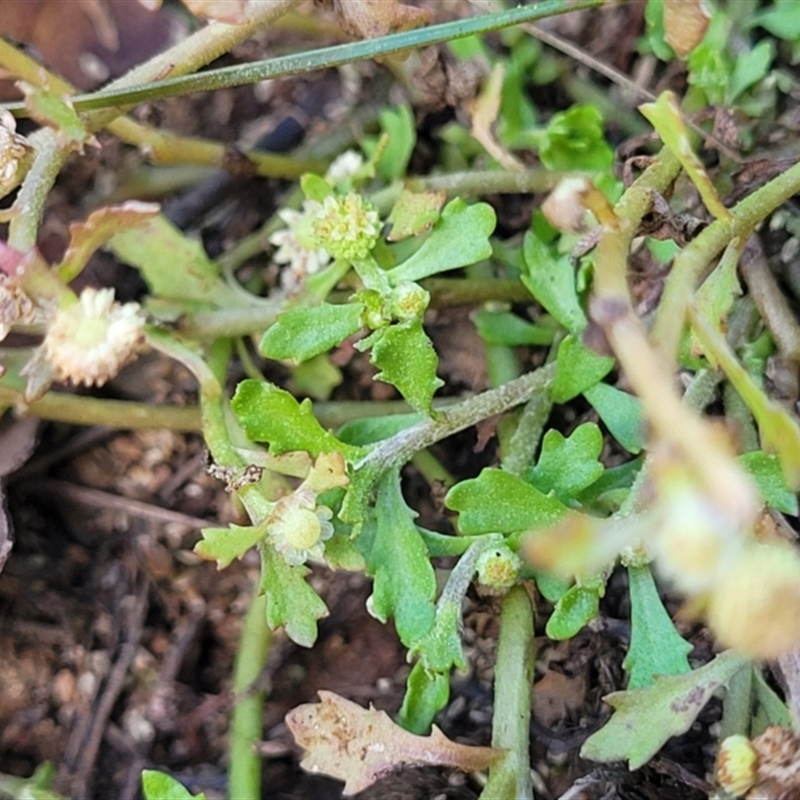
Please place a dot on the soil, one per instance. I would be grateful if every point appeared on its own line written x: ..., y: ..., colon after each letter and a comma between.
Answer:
x: 117, y: 642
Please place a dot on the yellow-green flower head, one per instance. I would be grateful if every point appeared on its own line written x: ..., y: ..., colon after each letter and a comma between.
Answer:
x: 89, y: 341
x: 498, y: 567
x: 347, y: 227
x: 300, y: 528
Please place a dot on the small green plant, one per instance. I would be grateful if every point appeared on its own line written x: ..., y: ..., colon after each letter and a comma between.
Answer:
x: 366, y: 250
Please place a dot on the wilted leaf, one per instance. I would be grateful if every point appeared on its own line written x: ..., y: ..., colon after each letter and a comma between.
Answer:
x: 484, y: 115
x: 368, y: 19
x: 414, y: 213
x: 646, y: 718
x: 685, y: 24
x: 665, y: 116
x: 99, y: 227
x: 360, y: 746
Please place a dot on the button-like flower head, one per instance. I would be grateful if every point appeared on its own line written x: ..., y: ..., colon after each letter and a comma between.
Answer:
x: 347, y: 227
x: 300, y: 527
x: 89, y: 341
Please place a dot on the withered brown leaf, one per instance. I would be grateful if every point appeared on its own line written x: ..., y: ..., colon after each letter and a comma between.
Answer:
x: 359, y: 746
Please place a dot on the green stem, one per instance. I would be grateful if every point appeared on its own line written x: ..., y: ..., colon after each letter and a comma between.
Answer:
x: 133, y: 90
x: 244, y: 775
x: 691, y: 263
x: 528, y: 433
x: 474, y: 183
x: 213, y: 417
x: 82, y: 410
x: 29, y: 204
x: 398, y: 449
x: 513, y: 682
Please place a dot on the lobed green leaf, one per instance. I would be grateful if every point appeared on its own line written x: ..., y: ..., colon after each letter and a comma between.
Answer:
x: 406, y: 359
x: 656, y: 647
x: 499, y: 502
x: 567, y: 466
x: 404, y: 579
x: 270, y: 414
x: 302, y: 333
x: 291, y: 602
x: 459, y: 238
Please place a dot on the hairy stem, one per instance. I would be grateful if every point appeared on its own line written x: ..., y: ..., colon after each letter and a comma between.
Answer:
x: 244, y: 775
x: 398, y: 449
x: 513, y: 681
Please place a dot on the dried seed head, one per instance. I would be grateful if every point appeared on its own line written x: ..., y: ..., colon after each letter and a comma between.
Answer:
x: 15, y: 151
x: 737, y: 765
x: 755, y: 606
x: 89, y: 341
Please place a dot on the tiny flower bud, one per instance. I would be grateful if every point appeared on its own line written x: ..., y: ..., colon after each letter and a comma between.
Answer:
x: 498, y: 567
x: 409, y: 301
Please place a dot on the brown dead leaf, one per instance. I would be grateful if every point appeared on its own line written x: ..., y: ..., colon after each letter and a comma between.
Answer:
x: 86, y: 41
x: 484, y: 112
x: 685, y: 24
x: 366, y: 19
x: 360, y: 746
x: 86, y: 237
x: 233, y: 12
x: 556, y: 695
